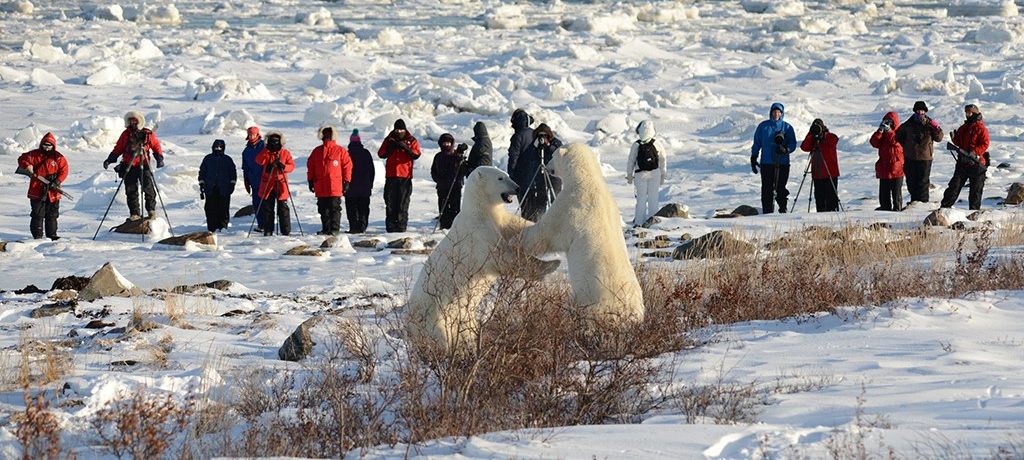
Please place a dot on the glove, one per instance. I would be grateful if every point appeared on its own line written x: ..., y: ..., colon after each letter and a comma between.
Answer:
x: 160, y: 162
x: 462, y: 148
x: 934, y: 124
x: 107, y: 163
x: 629, y: 180
x: 28, y: 170
x: 753, y: 164
x: 202, y: 195
x: 344, y: 187
x: 279, y: 165
x: 884, y: 127
x: 310, y: 186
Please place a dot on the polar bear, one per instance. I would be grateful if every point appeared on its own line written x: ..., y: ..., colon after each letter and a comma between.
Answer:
x: 584, y: 222
x: 441, y: 310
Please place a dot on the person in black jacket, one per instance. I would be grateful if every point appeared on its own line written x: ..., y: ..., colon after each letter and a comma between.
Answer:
x: 521, y: 139
x: 536, y: 185
x: 217, y: 178
x: 480, y: 154
x: 446, y: 173
x: 357, y: 199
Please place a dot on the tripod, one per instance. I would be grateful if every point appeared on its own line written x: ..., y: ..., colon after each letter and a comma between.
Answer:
x: 444, y: 206
x: 816, y: 152
x: 264, y: 200
x: 549, y: 188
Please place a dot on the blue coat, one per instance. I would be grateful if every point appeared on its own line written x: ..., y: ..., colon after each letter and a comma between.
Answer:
x: 250, y: 170
x: 217, y: 174
x: 764, y: 139
x: 362, y: 171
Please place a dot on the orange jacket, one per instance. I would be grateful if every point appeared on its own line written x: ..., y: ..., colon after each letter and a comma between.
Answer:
x: 44, y: 164
x: 275, y: 178
x: 328, y: 167
x: 399, y: 162
x: 973, y: 136
x: 890, y: 152
x: 149, y: 143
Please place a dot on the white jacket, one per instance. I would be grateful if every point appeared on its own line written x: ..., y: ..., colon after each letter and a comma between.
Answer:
x: 646, y: 132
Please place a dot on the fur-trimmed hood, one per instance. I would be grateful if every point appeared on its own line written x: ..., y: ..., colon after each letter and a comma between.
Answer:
x: 136, y: 115
x: 278, y: 134
x: 320, y: 133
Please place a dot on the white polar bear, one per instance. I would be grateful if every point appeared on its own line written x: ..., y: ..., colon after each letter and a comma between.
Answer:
x: 584, y: 222
x: 442, y: 307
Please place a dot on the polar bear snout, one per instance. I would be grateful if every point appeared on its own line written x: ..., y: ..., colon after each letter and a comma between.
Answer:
x: 510, y: 189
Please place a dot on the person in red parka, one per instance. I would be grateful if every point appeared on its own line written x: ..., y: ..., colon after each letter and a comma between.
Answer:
x: 134, y: 147
x: 970, y: 143
x: 45, y: 162
x: 889, y: 167
x: 821, y: 143
x: 400, y: 149
x: 329, y: 172
x: 277, y: 163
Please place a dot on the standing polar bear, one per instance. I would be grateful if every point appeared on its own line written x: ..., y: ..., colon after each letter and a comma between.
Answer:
x: 441, y: 311
x: 584, y: 223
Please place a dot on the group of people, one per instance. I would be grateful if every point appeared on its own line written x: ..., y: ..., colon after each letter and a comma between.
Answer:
x: 905, y: 152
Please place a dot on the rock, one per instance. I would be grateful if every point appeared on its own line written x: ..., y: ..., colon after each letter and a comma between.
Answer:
x: 975, y: 216
x: 73, y: 283
x: 371, y: 244
x: 30, y: 289
x: 220, y: 285
x: 235, y: 312
x: 685, y: 237
x: 134, y: 227
x: 430, y: 243
x: 124, y: 363
x: 674, y: 210
x: 1004, y: 166
x: 959, y: 226
x: 652, y: 221
x: 718, y: 243
x: 654, y: 244
x: 304, y: 250
x: 63, y: 294
x: 744, y: 210
x: 203, y: 238
x: 139, y: 323
x: 300, y: 344
x: 880, y: 226
x: 329, y: 242
x: 97, y: 324
x: 108, y: 282
x: 245, y: 211
x: 402, y: 243
x: 1015, y: 195
x: 54, y: 309
x: 938, y: 218
x: 412, y: 252
x: 658, y: 254
x: 3, y: 246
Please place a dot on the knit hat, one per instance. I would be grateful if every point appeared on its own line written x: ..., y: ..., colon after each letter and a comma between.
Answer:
x: 920, y: 105
x: 972, y: 108
x: 446, y: 137
x: 400, y: 124
x: 355, y: 136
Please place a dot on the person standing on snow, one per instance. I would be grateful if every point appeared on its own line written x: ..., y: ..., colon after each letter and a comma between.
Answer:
x: 329, y: 172
x: 821, y: 144
x: 774, y: 140
x: 357, y: 198
x: 970, y: 143
x: 480, y: 154
x: 252, y: 172
x: 400, y: 149
x: 889, y: 167
x: 134, y: 147
x: 45, y: 162
x: 646, y: 170
x: 917, y: 136
x: 217, y: 176
x: 276, y: 162
x: 445, y: 171
x: 522, y: 138
x: 536, y: 185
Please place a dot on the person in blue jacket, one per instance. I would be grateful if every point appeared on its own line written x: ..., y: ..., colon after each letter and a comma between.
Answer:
x: 774, y: 140
x: 217, y: 176
x: 252, y: 173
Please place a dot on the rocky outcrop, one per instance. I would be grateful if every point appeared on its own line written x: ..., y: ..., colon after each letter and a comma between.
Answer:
x: 300, y: 344
x: 673, y: 210
x: 54, y: 309
x: 203, y: 238
x: 72, y: 283
x: 718, y: 243
x: 107, y: 282
x: 1015, y: 195
x: 133, y: 227
x: 304, y: 250
x: 937, y: 218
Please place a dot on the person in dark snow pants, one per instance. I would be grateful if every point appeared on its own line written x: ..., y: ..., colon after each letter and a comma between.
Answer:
x: 217, y: 176
x: 774, y: 140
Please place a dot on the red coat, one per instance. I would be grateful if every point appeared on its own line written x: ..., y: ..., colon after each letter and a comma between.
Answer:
x: 327, y: 168
x: 973, y: 136
x: 44, y: 164
x: 399, y: 163
x: 890, y: 152
x: 150, y: 145
x: 826, y: 165
x: 273, y: 177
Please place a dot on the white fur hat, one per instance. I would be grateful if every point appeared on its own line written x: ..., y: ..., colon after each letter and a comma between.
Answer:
x: 320, y: 132
x: 278, y: 134
x: 136, y: 115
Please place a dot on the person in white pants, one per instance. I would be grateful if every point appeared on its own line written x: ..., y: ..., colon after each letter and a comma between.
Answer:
x: 646, y: 170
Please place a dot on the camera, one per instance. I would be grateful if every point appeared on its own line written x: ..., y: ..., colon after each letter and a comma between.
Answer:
x: 780, y: 139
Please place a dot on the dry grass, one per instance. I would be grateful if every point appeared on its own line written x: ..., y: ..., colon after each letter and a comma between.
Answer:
x: 38, y: 430
x: 141, y: 425
x: 43, y: 360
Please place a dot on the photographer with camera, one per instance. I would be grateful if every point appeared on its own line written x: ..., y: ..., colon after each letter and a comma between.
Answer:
x: 918, y: 137
x: 134, y: 148
x: 774, y: 140
x: 446, y: 172
x: 889, y: 167
x: 399, y: 149
x: 276, y: 162
x: 821, y: 144
x: 970, y: 145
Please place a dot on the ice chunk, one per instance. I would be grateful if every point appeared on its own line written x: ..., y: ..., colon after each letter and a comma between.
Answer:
x: 41, y: 77
x: 164, y: 14
x: 19, y: 6
x: 995, y: 34
x: 505, y: 17
x: 44, y: 52
x: 228, y: 87
x: 320, y: 81
x: 95, y: 132
x: 9, y: 75
x: 146, y: 50
x: 230, y: 122
x: 105, y: 12
x: 982, y: 8
x: 110, y: 74
x: 673, y: 14
x: 318, y: 18
x: 601, y: 23
x: 390, y: 37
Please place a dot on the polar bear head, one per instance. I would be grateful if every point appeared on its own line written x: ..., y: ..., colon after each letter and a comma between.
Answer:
x: 575, y: 161
x: 489, y: 186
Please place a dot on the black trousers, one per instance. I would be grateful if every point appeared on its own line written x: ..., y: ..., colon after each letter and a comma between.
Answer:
x: 218, y: 211
x: 773, y: 187
x: 133, y: 178
x: 283, y: 215
x: 918, y: 174
x: 535, y: 203
x: 961, y: 175
x: 330, y: 214
x: 396, y: 203
x: 44, y: 216
x: 825, y: 197
x: 358, y: 211
x: 448, y: 210
x: 890, y: 194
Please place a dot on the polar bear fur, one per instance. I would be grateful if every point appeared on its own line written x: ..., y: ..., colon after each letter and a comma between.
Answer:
x: 442, y: 307
x: 584, y: 223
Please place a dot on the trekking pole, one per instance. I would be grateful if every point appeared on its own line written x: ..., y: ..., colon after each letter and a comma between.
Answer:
x: 444, y: 206
x: 152, y: 177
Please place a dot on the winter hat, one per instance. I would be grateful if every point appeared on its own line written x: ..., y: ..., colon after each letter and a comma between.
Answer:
x: 277, y: 135
x: 400, y: 124
x: 972, y: 108
x: 446, y: 137
x: 920, y: 105
x: 218, y: 146
x: 252, y: 130
x: 137, y: 116
x: 325, y: 133
x: 355, y: 136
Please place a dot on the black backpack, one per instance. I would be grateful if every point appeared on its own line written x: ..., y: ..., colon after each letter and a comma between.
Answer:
x: 647, y: 156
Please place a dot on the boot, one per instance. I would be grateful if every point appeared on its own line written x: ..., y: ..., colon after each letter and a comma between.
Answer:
x: 150, y: 215
x: 133, y: 218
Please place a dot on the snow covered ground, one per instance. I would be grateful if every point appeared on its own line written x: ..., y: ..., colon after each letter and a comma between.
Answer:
x: 705, y: 72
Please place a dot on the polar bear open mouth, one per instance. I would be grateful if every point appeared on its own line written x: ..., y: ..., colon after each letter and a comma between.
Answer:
x: 507, y: 197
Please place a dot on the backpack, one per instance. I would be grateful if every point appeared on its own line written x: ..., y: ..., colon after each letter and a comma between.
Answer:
x: 647, y: 157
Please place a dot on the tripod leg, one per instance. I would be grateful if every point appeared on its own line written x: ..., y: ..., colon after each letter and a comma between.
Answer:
x: 810, y: 195
x: 296, y: 212
x: 119, y: 184
x: 807, y: 168
x: 152, y: 177
x: 444, y: 206
x: 259, y: 209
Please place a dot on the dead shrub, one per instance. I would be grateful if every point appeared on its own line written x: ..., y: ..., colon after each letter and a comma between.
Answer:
x: 141, y: 425
x: 38, y: 430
